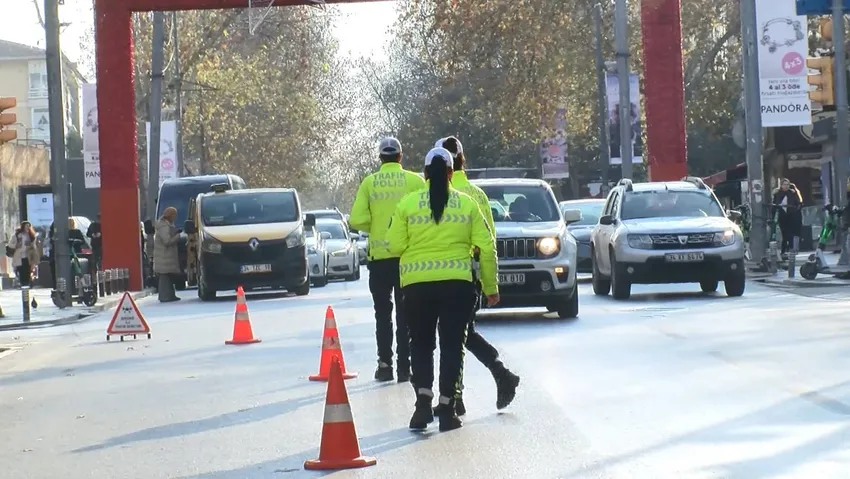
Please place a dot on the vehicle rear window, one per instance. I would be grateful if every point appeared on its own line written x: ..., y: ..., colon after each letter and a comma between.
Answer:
x: 249, y: 209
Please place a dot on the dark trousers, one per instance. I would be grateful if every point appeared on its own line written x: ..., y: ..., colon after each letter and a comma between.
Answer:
x: 385, y: 286
x: 165, y: 289
x: 25, y: 272
x: 483, y: 351
x: 787, y: 225
x: 445, y: 306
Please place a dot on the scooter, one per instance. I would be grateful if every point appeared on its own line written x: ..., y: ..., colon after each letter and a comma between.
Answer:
x: 817, y: 261
x: 86, y: 293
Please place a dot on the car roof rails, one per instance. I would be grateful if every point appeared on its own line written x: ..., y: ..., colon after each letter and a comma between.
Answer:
x: 696, y: 180
x: 220, y: 187
x: 627, y: 183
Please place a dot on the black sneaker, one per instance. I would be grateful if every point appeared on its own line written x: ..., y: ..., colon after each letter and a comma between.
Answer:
x: 460, y: 407
x: 506, y: 384
x: 403, y: 375
x: 449, y: 419
x: 384, y: 373
x: 422, y: 415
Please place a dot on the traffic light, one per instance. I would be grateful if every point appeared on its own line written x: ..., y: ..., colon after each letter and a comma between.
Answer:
x: 825, y: 94
x: 7, y: 120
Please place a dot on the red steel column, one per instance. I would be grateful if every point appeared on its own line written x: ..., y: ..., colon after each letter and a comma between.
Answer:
x: 119, y: 175
x: 664, y: 89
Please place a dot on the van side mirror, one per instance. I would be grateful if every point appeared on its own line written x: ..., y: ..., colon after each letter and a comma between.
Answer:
x: 149, y: 229
x: 309, y: 220
x: 572, y: 216
x: 189, y: 227
x: 606, y: 220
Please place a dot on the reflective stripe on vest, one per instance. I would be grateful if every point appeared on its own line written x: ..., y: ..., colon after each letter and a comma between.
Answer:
x: 386, y: 195
x: 462, y: 265
x: 447, y: 218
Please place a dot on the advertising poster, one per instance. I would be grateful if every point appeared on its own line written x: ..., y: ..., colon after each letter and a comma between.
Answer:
x: 40, y: 210
x: 167, y: 150
x: 91, y: 169
x: 612, y: 90
x: 553, y: 149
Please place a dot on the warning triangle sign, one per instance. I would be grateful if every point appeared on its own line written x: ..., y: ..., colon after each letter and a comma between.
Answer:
x: 127, y: 318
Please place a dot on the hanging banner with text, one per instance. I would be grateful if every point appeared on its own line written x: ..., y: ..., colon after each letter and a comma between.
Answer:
x: 612, y: 89
x: 167, y: 150
x: 91, y: 169
x: 553, y: 150
x: 783, y: 46
x: 91, y: 148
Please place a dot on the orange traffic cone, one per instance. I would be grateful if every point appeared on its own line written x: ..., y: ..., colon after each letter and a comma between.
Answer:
x: 331, y: 348
x: 242, y: 333
x: 340, y: 448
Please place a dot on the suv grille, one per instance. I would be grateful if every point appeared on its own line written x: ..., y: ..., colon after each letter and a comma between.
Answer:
x: 516, y: 248
x: 692, y: 241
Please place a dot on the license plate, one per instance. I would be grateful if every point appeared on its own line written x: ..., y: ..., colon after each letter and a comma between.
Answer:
x: 256, y: 268
x: 512, y: 278
x: 684, y: 257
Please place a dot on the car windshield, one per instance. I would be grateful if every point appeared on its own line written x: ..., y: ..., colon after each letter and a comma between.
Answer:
x: 178, y: 196
x: 249, y: 209
x: 335, y: 228
x: 522, y: 203
x: 665, y: 203
x: 590, y: 211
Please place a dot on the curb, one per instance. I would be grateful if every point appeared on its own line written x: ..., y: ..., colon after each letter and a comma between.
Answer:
x: 77, y: 317
x: 802, y: 283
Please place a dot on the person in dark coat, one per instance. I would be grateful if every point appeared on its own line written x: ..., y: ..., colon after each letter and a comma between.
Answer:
x: 790, y: 217
x: 96, y: 236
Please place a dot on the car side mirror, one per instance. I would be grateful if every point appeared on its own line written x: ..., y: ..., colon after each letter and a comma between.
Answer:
x: 149, y: 229
x: 355, y: 237
x: 309, y: 220
x: 189, y: 227
x: 325, y: 235
x: 734, y: 215
x: 572, y: 216
x: 607, y: 220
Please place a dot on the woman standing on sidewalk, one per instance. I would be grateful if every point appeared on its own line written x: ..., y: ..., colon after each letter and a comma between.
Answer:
x: 24, y: 252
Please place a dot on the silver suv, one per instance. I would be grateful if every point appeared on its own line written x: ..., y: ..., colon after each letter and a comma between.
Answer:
x: 670, y: 232
x: 537, y: 255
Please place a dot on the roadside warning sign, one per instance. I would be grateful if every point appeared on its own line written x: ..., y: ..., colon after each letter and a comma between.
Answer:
x: 127, y: 320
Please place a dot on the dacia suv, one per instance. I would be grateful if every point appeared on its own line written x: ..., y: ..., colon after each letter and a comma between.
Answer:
x: 665, y: 232
x: 537, y: 255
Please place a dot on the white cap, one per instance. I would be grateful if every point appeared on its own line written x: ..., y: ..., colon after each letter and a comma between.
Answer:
x: 442, y: 141
x: 439, y: 154
x: 390, y: 146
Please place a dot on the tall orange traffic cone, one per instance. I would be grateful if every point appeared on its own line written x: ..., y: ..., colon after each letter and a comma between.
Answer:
x: 340, y: 448
x: 242, y: 332
x: 331, y: 348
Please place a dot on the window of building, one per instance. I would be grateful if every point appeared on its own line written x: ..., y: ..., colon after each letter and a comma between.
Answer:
x: 40, y: 123
x: 38, y: 79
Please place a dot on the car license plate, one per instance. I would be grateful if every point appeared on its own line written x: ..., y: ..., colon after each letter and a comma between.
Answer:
x: 684, y: 257
x: 256, y: 268
x: 512, y: 278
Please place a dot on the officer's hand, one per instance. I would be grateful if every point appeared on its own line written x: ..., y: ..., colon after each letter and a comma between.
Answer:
x: 492, y: 299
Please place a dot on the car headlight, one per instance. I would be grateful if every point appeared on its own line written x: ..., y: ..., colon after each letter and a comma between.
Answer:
x: 640, y: 241
x: 296, y: 238
x: 548, y: 246
x: 210, y: 245
x: 725, y: 238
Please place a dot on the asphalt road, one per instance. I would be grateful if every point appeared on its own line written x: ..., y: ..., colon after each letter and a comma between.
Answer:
x: 673, y: 384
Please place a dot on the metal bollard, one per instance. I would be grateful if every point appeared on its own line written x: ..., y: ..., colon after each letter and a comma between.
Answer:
x: 107, y: 281
x: 62, y: 290
x: 126, y: 279
x: 772, y: 251
x: 116, y: 281
x: 123, y: 275
x: 792, y: 257
x: 25, y: 302
x: 101, y: 290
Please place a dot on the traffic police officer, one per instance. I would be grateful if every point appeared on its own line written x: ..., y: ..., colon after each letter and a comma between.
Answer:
x: 434, y: 230
x: 373, y: 207
x: 506, y: 381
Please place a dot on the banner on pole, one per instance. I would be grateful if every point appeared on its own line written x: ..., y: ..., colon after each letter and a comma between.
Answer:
x: 167, y: 150
x: 553, y: 148
x: 783, y: 46
x: 91, y: 169
x: 612, y: 89
x: 90, y: 138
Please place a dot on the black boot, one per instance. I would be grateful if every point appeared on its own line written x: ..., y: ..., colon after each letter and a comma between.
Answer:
x: 449, y: 419
x: 460, y: 407
x: 403, y: 374
x: 384, y: 372
x: 422, y: 415
x: 506, y: 384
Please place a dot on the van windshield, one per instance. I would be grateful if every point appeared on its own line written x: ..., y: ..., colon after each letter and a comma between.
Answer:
x: 178, y: 196
x: 249, y: 208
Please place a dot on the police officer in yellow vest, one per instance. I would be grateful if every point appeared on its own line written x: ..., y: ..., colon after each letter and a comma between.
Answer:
x: 373, y: 207
x: 506, y: 381
x: 434, y: 230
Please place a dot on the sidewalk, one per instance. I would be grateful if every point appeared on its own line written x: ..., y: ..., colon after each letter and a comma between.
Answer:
x: 46, y: 314
x: 781, y: 277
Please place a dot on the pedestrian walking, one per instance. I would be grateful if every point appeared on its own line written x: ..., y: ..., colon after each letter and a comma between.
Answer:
x: 790, y: 218
x: 376, y: 200
x: 433, y: 231
x: 22, y: 248
x: 165, y: 259
x: 95, y: 234
x: 506, y: 381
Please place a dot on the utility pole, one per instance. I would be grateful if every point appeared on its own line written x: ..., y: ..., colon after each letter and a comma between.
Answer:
x: 842, y: 142
x: 621, y: 39
x: 155, y: 112
x: 58, y: 176
x: 752, y: 111
x: 178, y: 85
x: 604, y: 147
x: 203, y: 162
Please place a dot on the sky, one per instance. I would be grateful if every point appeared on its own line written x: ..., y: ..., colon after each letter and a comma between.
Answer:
x: 20, y: 24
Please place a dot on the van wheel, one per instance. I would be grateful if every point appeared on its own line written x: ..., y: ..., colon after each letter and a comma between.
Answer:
x: 302, y: 290
x: 204, y: 293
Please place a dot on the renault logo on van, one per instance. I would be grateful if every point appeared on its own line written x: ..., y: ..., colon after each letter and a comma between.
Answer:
x: 254, y: 243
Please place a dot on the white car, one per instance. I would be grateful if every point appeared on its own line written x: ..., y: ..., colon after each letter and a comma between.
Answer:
x: 344, y: 256
x: 362, y: 240
x: 317, y: 257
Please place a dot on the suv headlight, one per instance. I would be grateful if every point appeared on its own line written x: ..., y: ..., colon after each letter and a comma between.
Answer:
x: 725, y: 238
x: 210, y: 245
x: 296, y: 238
x: 640, y: 241
x: 548, y: 246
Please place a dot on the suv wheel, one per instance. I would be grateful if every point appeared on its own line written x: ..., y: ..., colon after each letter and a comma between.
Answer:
x: 620, y: 286
x: 601, y: 286
x: 569, y: 309
x: 735, y: 285
x: 708, y: 285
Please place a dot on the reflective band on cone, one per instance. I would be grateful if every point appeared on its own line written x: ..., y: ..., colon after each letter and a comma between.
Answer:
x: 242, y: 331
x: 331, y: 349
